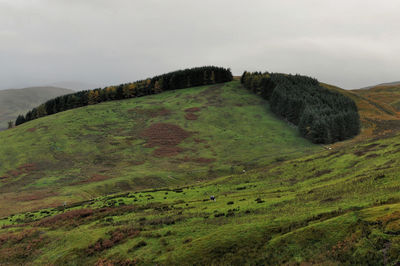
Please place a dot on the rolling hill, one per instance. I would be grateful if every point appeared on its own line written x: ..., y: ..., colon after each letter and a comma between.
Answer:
x: 166, y: 154
x: 14, y: 102
x: 335, y: 207
x: 173, y: 138
x: 377, y: 116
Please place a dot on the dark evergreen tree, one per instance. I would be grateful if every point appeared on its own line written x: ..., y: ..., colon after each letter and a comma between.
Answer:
x: 322, y: 115
x: 20, y: 120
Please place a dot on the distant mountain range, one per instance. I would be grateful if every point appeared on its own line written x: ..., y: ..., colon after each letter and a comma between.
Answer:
x: 18, y: 101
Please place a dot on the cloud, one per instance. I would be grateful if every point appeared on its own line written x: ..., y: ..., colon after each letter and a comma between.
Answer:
x: 347, y: 43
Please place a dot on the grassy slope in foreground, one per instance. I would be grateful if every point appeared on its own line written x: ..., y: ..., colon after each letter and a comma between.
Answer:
x: 176, y: 137
x: 336, y: 207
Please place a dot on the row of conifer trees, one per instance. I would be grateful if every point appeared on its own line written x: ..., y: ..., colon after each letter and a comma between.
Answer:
x: 171, y: 81
x: 322, y: 115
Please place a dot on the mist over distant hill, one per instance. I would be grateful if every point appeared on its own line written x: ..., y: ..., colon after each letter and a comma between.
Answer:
x: 18, y: 101
x: 74, y: 85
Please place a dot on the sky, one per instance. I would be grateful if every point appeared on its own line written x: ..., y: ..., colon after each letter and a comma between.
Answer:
x: 94, y: 43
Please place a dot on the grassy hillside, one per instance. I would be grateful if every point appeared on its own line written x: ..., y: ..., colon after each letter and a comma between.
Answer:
x: 19, y: 101
x: 377, y: 116
x: 337, y: 207
x: 174, y: 138
x: 315, y: 206
x: 387, y: 95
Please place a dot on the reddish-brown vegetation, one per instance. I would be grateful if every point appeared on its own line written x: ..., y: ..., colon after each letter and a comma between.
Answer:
x: 191, y: 116
x: 166, y: 137
x: 190, y: 113
x: 167, y: 151
x: 203, y: 160
x: 21, y: 245
x: 22, y: 169
x: 33, y: 129
x: 162, y: 134
x: 70, y: 217
x: 116, y: 237
x: 38, y: 195
x: 199, y: 160
x: 193, y: 110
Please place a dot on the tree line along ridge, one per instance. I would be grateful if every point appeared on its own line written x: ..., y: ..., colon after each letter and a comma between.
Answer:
x: 171, y: 81
x: 322, y: 115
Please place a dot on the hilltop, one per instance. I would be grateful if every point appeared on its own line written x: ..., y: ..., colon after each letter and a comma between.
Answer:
x: 129, y: 182
x: 18, y: 101
x: 173, y: 138
x: 393, y: 83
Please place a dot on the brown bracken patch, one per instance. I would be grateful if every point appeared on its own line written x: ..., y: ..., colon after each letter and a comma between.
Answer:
x: 33, y: 129
x: 193, y: 110
x: 203, y: 160
x: 167, y: 151
x: 191, y: 116
x: 35, y: 196
x: 166, y: 137
x: 190, y: 113
x: 23, y: 169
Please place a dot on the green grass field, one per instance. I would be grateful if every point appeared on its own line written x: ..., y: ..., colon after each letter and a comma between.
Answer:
x: 296, y: 204
x: 336, y: 207
x: 174, y: 138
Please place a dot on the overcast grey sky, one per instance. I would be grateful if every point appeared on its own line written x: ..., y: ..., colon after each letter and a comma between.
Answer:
x: 350, y: 43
